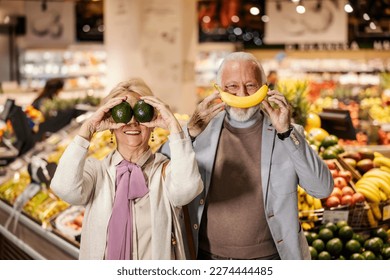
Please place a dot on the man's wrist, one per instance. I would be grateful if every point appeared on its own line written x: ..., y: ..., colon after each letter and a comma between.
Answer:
x: 285, y: 134
x: 189, y: 134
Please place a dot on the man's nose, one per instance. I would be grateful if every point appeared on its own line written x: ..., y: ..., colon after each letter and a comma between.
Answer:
x: 242, y: 91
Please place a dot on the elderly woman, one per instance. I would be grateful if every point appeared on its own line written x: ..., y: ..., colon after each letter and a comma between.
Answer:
x: 132, y: 195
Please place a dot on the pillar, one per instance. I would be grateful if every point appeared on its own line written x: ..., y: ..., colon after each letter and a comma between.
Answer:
x: 155, y: 40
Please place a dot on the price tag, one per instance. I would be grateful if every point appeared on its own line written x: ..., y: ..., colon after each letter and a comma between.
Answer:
x: 386, y: 213
x: 335, y: 216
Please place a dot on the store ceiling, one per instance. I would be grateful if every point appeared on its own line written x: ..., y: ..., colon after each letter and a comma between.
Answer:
x: 369, y: 21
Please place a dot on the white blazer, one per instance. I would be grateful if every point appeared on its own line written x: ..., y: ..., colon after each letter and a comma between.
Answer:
x: 81, y: 180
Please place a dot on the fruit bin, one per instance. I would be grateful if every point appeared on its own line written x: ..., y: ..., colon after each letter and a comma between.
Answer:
x: 358, y: 217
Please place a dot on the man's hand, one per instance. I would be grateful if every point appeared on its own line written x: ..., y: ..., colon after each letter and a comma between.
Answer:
x: 204, y: 113
x: 281, y: 116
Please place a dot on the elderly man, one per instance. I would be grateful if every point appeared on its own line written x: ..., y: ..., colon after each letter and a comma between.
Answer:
x: 251, y: 161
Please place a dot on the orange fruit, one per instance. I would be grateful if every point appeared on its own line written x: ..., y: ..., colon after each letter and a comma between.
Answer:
x: 313, y: 120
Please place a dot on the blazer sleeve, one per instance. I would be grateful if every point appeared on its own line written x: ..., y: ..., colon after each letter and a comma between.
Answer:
x: 313, y: 174
x: 74, y: 178
x: 183, y: 180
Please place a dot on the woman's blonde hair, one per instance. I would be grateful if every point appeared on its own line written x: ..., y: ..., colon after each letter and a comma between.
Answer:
x: 136, y: 85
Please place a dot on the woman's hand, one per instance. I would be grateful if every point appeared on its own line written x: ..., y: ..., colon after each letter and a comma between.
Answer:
x: 281, y: 116
x: 204, y: 113
x: 165, y: 119
x: 101, y: 119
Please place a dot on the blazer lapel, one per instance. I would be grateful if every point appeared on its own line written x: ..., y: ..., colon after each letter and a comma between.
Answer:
x: 267, y: 147
x: 110, y: 166
x: 205, y: 147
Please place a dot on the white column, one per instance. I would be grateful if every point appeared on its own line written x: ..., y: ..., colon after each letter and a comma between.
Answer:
x: 155, y: 40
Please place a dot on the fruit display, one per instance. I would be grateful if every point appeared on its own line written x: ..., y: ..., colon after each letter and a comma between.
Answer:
x: 310, y: 209
x: 339, y: 241
x: 45, y: 205
x: 160, y: 135
x: 296, y: 93
x: 70, y: 222
x: 50, y: 107
x: 12, y: 188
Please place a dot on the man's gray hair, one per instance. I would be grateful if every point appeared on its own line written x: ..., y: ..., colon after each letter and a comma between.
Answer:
x: 241, y: 56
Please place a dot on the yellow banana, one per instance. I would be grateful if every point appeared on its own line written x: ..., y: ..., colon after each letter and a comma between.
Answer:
x: 371, y: 218
x: 379, y: 182
x: 317, y: 203
x: 306, y: 226
x: 309, y: 199
x: 378, y: 173
x: 378, y: 154
x: 243, y: 101
x: 376, y: 211
x: 370, y: 193
x: 383, y: 195
x: 305, y: 207
x: 385, y: 168
x: 382, y: 161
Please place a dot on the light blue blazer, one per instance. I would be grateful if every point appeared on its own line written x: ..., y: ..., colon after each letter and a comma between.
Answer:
x: 284, y: 165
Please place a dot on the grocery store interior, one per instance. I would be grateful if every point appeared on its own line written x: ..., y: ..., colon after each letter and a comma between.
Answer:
x: 330, y: 58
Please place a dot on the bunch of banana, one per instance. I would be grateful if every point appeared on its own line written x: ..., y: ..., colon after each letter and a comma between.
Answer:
x: 375, y: 185
x: 371, y: 218
x: 382, y: 162
x: 307, y: 206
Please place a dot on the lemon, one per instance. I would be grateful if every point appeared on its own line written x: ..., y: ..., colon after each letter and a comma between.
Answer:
x: 313, y: 120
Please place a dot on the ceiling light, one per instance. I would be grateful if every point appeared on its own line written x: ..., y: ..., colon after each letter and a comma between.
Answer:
x: 366, y: 17
x: 235, y: 19
x: 300, y: 9
x: 206, y: 19
x: 254, y: 11
x: 348, y: 8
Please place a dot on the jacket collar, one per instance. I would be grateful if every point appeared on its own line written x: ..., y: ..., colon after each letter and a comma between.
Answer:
x: 117, y: 158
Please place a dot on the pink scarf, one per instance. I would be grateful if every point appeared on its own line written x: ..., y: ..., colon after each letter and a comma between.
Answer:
x: 130, y: 184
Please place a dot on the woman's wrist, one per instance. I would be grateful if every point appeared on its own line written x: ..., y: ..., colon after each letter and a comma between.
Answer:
x: 175, y: 128
x: 86, y: 131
